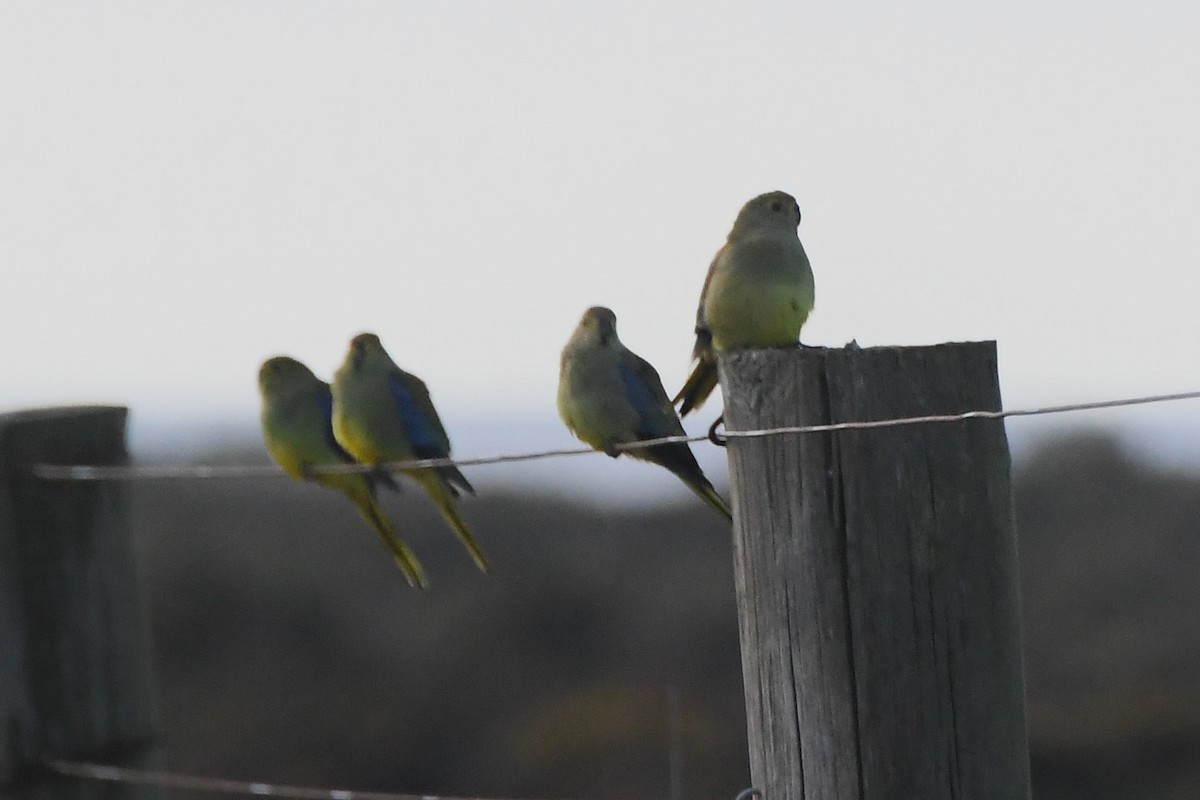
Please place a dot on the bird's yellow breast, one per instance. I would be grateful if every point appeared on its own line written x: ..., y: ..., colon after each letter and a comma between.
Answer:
x: 756, y: 316
x: 760, y: 294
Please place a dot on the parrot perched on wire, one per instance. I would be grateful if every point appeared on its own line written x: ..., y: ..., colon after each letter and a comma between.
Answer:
x: 758, y: 291
x: 383, y: 414
x: 608, y: 395
x: 297, y: 427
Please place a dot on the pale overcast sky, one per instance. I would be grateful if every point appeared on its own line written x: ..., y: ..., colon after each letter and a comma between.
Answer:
x: 187, y: 188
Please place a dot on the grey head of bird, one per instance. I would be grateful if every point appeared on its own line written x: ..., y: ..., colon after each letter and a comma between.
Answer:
x: 773, y: 210
x: 282, y: 371
x: 361, y: 346
x: 598, y: 326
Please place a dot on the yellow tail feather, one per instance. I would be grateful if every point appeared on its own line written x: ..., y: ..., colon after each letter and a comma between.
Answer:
x: 440, y: 492
x: 405, y: 558
x: 698, y: 387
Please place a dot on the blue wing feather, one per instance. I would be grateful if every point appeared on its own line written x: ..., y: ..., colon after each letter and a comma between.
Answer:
x: 642, y: 398
x: 422, y: 433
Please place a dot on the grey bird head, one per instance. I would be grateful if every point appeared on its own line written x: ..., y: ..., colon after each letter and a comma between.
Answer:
x: 767, y: 211
x: 599, y: 325
x: 361, y: 345
x: 282, y: 371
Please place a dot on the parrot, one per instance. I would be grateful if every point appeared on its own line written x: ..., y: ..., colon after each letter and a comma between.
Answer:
x: 758, y: 292
x: 383, y: 414
x: 608, y: 395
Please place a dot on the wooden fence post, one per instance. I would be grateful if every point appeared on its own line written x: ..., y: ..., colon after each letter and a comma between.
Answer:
x: 876, y: 576
x: 75, y: 676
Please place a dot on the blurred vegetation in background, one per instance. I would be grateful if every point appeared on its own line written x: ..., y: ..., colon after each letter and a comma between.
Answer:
x: 289, y: 649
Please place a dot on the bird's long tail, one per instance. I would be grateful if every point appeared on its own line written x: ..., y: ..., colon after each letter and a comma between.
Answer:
x: 698, y: 386
x: 443, y: 496
x: 678, y: 458
x: 405, y: 558
x: 708, y: 494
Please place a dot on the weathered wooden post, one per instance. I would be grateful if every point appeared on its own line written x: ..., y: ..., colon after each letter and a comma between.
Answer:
x: 75, y: 677
x: 876, y: 576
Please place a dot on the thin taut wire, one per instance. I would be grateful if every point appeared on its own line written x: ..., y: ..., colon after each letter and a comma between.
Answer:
x: 82, y: 472
x: 199, y: 783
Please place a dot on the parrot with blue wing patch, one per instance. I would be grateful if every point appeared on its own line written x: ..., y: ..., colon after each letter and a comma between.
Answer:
x: 383, y: 414
x: 608, y: 395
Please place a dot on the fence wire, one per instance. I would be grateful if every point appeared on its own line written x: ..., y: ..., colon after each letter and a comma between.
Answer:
x: 199, y: 783
x: 87, y: 472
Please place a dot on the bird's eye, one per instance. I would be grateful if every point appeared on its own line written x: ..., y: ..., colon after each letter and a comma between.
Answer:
x: 776, y: 205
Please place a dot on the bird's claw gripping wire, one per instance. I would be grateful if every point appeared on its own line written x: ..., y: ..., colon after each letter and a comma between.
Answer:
x: 719, y: 441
